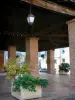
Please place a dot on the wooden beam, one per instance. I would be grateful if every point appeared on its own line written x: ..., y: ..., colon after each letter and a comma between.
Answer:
x: 53, y: 35
x: 55, y: 41
x: 47, y: 46
x: 52, y: 6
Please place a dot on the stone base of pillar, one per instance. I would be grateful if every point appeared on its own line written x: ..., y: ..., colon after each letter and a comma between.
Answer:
x: 51, y: 72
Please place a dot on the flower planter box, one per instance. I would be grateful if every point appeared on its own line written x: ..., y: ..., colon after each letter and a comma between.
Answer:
x: 62, y: 73
x: 25, y: 94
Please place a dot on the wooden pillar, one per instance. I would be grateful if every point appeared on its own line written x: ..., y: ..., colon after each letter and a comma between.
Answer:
x: 1, y: 60
x: 12, y: 52
x: 50, y: 61
x: 32, y: 55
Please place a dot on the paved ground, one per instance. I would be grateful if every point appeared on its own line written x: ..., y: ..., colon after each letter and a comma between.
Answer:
x: 6, y: 96
x: 9, y: 97
x: 58, y: 84
x: 58, y: 87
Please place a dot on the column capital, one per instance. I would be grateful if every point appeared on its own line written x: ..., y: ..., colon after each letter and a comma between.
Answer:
x: 1, y: 51
x: 51, y: 49
x: 70, y: 21
x: 34, y: 38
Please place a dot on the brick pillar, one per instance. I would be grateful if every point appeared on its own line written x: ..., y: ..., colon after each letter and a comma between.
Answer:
x: 1, y: 60
x: 12, y: 52
x: 32, y: 55
x: 50, y: 62
x: 71, y: 31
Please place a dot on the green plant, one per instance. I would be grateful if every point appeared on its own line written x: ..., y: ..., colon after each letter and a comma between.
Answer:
x: 23, y: 80
x: 64, y: 67
x: 13, y: 68
x: 28, y: 82
x: 25, y: 69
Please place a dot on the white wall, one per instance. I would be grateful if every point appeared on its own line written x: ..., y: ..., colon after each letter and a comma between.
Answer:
x: 59, y: 56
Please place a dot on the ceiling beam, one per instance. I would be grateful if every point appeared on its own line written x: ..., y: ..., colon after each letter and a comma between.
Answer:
x: 53, y: 35
x: 52, y: 6
x: 43, y: 47
x: 54, y: 42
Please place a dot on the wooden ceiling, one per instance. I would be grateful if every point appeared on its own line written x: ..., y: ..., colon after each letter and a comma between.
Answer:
x: 49, y: 26
x: 54, y: 5
x: 66, y: 3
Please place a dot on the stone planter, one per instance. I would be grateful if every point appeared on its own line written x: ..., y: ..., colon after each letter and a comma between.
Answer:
x: 25, y: 94
x: 62, y: 73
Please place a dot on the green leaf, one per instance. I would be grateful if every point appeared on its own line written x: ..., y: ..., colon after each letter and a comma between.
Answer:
x: 29, y: 82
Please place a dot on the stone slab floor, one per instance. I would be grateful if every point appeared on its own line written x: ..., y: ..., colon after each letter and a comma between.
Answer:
x: 56, y: 90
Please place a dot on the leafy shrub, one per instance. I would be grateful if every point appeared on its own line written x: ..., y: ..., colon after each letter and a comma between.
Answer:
x: 13, y: 68
x: 64, y: 67
x: 23, y: 79
x: 28, y: 82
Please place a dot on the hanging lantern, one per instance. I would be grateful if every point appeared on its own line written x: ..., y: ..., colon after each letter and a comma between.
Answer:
x: 30, y: 19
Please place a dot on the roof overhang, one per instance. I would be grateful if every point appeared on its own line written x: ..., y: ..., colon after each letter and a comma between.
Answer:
x: 51, y: 6
x: 49, y: 26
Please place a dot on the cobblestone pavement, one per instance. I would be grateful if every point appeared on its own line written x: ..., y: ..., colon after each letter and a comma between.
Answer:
x: 56, y: 90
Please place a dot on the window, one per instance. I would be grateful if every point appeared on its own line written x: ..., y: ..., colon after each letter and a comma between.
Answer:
x: 63, y: 51
x: 63, y: 60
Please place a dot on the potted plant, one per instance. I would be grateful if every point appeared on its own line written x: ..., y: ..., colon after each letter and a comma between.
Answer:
x: 24, y: 85
x: 64, y: 68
